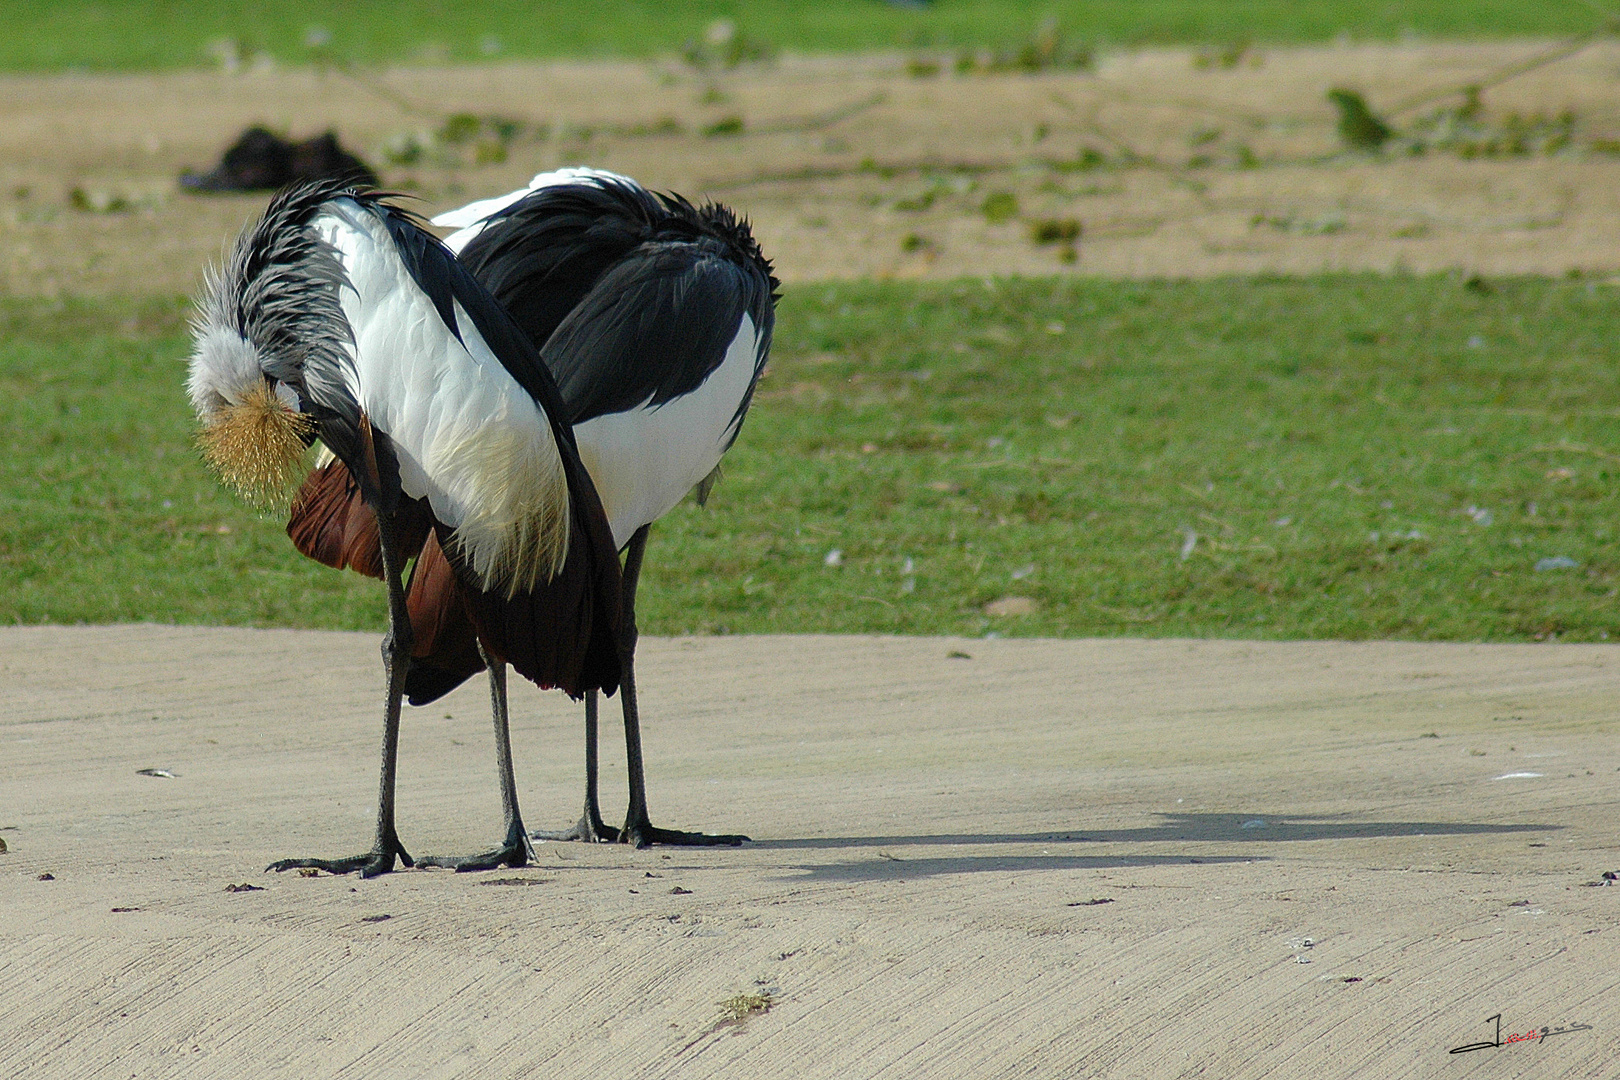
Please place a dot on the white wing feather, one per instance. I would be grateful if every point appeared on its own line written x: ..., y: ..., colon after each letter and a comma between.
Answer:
x: 469, y: 438
x: 644, y: 460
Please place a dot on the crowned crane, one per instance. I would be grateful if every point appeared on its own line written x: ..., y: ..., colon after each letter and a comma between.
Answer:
x: 655, y: 317
x: 338, y: 317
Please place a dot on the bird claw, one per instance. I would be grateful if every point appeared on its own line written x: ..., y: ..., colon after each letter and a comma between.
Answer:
x: 512, y: 855
x: 369, y: 865
x: 645, y: 834
x: 592, y: 830
x: 379, y: 860
x: 505, y: 855
x: 515, y: 851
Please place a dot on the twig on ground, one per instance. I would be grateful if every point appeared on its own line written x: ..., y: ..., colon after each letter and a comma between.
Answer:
x: 379, y: 88
x: 822, y: 121
x: 1566, y: 448
x: 1564, y: 51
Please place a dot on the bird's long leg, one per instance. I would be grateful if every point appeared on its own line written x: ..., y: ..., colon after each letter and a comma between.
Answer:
x: 515, y: 849
x: 590, y: 825
x: 396, y: 655
x: 638, y: 830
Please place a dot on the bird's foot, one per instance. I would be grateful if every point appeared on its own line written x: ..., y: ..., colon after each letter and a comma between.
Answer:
x: 380, y: 860
x: 589, y: 828
x: 645, y: 834
x: 514, y: 851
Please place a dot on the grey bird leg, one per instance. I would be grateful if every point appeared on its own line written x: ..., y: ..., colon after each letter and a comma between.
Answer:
x: 515, y: 849
x: 396, y: 654
x: 638, y: 830
x: 590, y: 826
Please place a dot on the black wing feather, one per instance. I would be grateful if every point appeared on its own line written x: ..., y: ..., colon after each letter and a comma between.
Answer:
x: 561, y: 257
x: 541, y: 255
x: 654, y: 328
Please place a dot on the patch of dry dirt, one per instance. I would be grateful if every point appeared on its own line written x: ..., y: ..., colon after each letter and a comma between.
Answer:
x: 851, y: 167
x: 1046, y: 858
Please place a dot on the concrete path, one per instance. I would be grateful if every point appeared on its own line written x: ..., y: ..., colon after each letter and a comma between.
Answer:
x: 1041, y: 858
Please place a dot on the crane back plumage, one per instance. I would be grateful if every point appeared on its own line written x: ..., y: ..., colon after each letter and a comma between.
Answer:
x: 654, y: 316
x: 338, y: 317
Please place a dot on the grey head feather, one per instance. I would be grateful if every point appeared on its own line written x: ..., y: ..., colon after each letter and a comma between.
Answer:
x: 279, y: 291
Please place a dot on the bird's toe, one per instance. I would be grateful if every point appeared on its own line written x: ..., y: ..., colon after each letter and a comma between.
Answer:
x: 646, y: 835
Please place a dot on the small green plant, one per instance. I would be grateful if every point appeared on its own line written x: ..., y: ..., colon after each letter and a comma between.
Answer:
x: 917, y: 203
x: 1054, y: 230
x: 740, y: 1007
x: 916, y: 244
x: 1088, y: 159
x: 1045, y: 50
x: 98, y: 201
x: 664, y: 125
x: 1466, y: 130
x: 723, y: 127
x: 460, y: 128
x: 1358, y: 126
x: 1061, y: 232
x: 1225, y: 57
x: 999, y: 207
x: 1325, y: 225
x: 459, y: 139
x: 725, y: 47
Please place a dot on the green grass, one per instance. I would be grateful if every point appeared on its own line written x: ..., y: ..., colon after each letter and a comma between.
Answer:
x: 1054, y: 440
x: 123, y: 35
x: 106, y: 514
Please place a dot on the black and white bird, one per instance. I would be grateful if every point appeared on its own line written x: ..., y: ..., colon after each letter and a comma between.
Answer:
x: 337, y: 317
x: 655, y: 317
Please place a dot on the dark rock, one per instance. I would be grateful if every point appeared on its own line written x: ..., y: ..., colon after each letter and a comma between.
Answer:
x: 261, y: 160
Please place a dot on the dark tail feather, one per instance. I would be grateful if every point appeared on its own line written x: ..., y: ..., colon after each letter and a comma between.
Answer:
x: 332, y: 524
x: 445, y: 650
x: 563, y: 634
x: 566, y: 632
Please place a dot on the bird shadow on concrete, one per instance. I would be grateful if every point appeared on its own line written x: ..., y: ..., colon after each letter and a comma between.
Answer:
x: 886, y: 867
x: 1185, y: 828
x: 1202, y: 828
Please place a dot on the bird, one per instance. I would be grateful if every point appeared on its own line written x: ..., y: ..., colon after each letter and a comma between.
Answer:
x: 655, y: 316
x: 339, y: 317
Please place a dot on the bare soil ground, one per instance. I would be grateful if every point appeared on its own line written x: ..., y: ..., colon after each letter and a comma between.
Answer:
x: 1047, y: 858
x: 852, y: 167
x: 1050, y: 859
